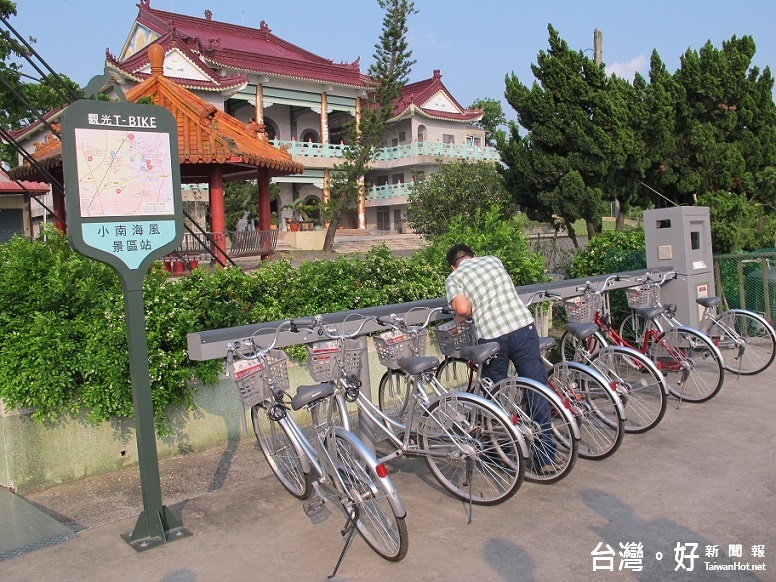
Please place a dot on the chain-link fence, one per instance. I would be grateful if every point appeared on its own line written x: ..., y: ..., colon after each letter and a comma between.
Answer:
x: 747, y: 281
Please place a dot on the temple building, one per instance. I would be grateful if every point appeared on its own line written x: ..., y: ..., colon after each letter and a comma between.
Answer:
x: 305, y: 101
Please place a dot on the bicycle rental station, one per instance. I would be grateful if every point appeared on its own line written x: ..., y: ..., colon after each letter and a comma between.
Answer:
x: 479, y: 440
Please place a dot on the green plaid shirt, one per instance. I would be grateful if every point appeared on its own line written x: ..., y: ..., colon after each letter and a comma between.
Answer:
x: 496, y: 307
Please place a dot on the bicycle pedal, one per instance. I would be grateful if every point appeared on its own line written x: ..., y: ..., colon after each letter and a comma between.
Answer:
x: 313, y: 507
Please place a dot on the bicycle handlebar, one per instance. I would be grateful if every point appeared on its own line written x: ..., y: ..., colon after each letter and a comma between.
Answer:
x: 588, y: 286
x: 541, y: 294
x: 328, y: 330
x: 399, y: 323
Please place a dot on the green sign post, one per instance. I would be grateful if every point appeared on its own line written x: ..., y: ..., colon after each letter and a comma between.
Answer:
x: 123, y: 202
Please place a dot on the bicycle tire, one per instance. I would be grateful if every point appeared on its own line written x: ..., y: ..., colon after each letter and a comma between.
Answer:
x: 282, y: 453
x: 553, y: 448
x: 331, y: 411
x: 568, y: 346
x: 759, y: 337
x: 639, y: 384
x: 377, y: 520
x: 595, y: 406
x: 463, y: 433
x: 453, y: 374
x: 394, y: 395
x: 698, y: 376
x: 632, y: 329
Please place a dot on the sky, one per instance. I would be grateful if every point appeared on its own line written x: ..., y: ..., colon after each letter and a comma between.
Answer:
x: 474, y: 43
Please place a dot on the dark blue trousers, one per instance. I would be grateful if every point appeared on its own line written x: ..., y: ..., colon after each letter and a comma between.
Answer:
x: 521, y: 347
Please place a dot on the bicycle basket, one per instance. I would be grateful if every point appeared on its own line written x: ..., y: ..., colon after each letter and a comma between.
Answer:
x: 322, y: 359
x: 642, y: 297
x: 254, y: 379
x: 585, y: 310
x: 451, y: 337
x: 393, y: 345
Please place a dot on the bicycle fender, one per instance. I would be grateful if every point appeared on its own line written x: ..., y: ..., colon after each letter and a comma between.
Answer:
x: 393, y: 494
x: 711, y: 343
x: 550, y: 394
x: 637, y: 355
x: 497, y: 411
x: 591, y: 371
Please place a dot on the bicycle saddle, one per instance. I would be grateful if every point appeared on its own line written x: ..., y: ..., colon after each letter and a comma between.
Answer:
x: 480, y: 353
x: 307, y: 394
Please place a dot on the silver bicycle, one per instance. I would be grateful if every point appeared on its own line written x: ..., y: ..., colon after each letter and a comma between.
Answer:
x: 469, y: 444
x: 343, y: 467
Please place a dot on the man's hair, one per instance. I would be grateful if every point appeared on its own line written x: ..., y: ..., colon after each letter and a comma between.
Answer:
x: 458, y: 252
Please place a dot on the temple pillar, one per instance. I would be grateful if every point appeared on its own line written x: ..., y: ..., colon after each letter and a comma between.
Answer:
x: 217, y: 210
x: 264, y: 208
x: 259, y: 115
x: 324, y: 118
x: 60, y: 216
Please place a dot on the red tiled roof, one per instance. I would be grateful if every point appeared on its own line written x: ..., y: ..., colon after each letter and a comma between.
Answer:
x: 247, y: 49
x: 414, y: 95
x: 132, y: 66
x: 8, y: 186
x: 206, y: 135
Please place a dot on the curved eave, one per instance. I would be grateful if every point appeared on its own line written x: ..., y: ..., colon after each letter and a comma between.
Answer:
x: 359, y: 84
x: 437, y: 115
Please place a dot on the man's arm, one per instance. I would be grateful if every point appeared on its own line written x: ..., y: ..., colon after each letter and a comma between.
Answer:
x: 461, y: 307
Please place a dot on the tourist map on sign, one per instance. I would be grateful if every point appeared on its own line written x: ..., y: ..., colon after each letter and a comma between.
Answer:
x: 123, y: 173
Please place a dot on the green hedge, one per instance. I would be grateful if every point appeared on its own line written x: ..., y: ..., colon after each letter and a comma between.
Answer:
x: 63, y: 335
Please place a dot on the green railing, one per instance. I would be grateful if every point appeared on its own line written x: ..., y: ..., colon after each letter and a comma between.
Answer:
x: 424, y: 148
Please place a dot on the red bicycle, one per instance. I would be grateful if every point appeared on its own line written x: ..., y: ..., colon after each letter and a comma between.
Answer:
x: 691, y: 363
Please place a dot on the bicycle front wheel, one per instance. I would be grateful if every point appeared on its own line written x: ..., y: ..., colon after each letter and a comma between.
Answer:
x: 453, y: 374
x: 639, y: 384
x: 594, y: 405
x: 568, y: 347
x: 632, y: 329
x: 281, y: 453
x: 331, y: 411
x: 691, y: 364
x: 747, y: 341
x: 367, y: 496
x: 546, y: 426
x: 471, y: 448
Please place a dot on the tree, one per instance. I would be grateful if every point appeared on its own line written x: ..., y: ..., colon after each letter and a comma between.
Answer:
x: 389, y: 73
x: 584, y: 139
x: 571, y: 134
x: 21, y: 102
x: 718, y: 115
x: 456, y: 189
x: 492, y: 118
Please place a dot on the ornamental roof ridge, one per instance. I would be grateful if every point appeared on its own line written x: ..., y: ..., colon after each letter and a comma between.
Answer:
x: 161, y: 22
x: 417, y: 93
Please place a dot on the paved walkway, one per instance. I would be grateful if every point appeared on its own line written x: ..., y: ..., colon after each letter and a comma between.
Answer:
x: 702, y: 482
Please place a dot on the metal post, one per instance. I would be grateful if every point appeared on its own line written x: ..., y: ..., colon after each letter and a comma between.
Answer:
x: 156, y: 525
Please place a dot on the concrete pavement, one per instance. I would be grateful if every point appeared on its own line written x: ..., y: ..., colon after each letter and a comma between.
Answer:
x: 701, y: 483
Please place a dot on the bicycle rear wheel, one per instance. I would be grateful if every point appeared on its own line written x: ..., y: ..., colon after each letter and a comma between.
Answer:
x: 691, y: 364
x: 594, y: 405
x: 331, y: 411
x: 639, y: 384
x: 471, y: 448
x: 370, y: 496
x: 546, y: 427
x: 281, y: 453
x: 453, y: 374
x: 750, y: 346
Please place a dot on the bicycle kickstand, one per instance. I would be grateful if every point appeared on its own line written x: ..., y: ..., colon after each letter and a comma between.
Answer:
x: 469, y: 475
x: 349, y: 530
